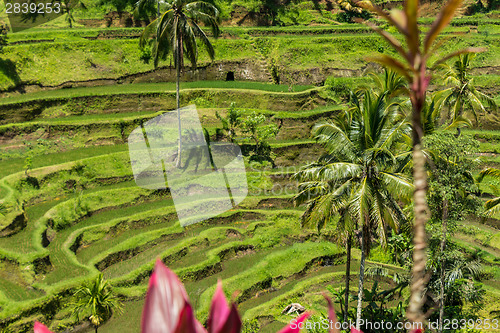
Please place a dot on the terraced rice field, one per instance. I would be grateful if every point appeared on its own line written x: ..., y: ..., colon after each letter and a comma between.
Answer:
x: 83, y: 213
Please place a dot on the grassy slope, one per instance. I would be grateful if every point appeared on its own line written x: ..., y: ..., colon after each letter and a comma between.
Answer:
x: 112, y: 58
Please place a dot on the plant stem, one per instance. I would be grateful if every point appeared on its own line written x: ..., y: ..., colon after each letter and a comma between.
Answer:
x: 361, y: 281
x: 443, y: 262
x: 347, y: 276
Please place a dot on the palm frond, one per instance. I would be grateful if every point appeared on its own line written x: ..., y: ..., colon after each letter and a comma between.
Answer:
x: 488, y: 172
x: 398, y: 185
x: 492, y: 207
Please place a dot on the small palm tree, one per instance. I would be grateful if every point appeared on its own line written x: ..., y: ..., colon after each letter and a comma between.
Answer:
x: 358, y: 178
x: 175, y: 33
x: 98, y: 299
x: 462, y: 97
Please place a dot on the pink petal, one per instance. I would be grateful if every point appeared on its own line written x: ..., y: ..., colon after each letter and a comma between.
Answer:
x: 199, y: 327
x: 165, y: 300
x: 219, y: 310
x: 233, y: 322
x: 187, y: 322
x: 354, y: 330
x: 295, y: 325
x: 41, y: 328
x: 332, y: 316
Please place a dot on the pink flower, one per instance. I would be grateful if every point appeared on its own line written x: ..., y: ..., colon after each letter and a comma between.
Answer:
x: 41, y: 328
x: 167, y: 307
x: 223, y: 319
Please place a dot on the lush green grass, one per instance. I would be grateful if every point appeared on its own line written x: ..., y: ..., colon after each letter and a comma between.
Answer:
x: 93, y: 59
x: 145, y: 88
x: 15, y: 165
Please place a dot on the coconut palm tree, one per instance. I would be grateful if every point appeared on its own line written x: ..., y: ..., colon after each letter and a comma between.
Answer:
x: 176, y: 31
x: 98, y: 299
x: 462, y: 97
x: 358, y: 177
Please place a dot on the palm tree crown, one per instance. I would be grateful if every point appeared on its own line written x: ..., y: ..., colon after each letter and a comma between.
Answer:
x: 462, y: 97
x: 177, y: 29
x: 360, y: 170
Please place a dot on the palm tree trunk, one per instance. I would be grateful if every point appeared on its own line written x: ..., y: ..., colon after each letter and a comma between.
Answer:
x: 347, y: 277
x: 179, y: 149
x: 414, y: 312
x: 421, y: 211
x: 361, y: 282
x: 95, y: 329
x: 443, y: 245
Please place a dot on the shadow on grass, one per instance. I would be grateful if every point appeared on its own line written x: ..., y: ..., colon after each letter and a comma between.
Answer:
x: 8, y: 68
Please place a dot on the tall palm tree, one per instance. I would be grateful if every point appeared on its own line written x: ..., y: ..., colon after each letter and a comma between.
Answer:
x: 462, y: 97
x: 176, y: 31
x: 96, y: 297
x: 358, y: 178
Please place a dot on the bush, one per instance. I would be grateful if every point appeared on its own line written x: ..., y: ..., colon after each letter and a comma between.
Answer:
x: 250, y: 326
x: 339, y: 86
x: 348, y: 16
x: 145, y: 55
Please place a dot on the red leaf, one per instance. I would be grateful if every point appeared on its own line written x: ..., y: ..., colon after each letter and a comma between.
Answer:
x: 41, y: 328
x: 222, y: 319
x: 165, y: 300
x: 294, y: 327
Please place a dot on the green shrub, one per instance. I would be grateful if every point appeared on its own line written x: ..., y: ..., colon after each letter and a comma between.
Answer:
x: 339, y: 86
x: 250, y: 326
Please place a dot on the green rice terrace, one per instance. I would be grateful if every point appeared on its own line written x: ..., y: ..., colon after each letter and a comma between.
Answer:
x: 70, y: 208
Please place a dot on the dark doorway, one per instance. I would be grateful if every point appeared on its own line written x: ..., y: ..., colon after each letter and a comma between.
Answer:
x: 230, y: 76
